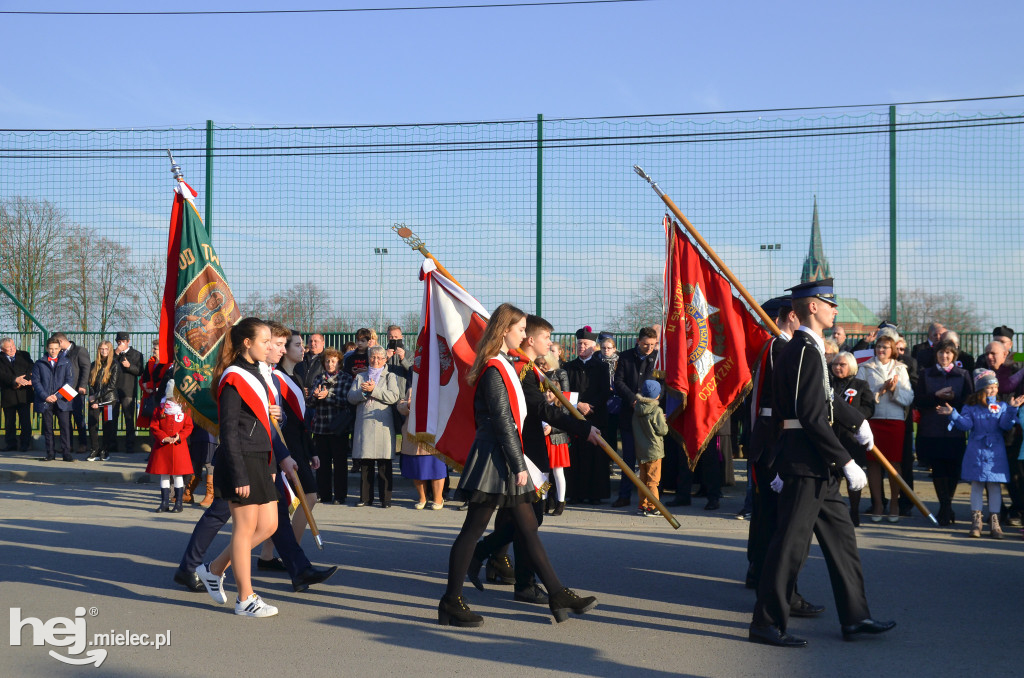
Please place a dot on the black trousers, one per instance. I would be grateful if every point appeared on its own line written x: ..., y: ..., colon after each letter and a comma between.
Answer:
x: 79, y: 419
x: 384, y: 482
x: 496, y: 543
x: 218, y: 514
x: 63, y: 418
x: 764, y: 518
x: 127, y: 406
x: 18, y: 414
x: 806, y: 506
x: 109, y: 432
x: 332, y: 476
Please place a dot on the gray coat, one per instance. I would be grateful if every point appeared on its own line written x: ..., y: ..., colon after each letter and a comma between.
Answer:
x: 374, y: 433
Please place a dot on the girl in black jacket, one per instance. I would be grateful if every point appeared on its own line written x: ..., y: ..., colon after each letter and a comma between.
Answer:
x: 103, y: 393
x: 244, y: 471
x: 495, y: 474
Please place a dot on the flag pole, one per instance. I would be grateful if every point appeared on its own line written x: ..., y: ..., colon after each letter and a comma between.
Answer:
x: 769, y: 323
x: 300, y: 493
x: 415, y: 243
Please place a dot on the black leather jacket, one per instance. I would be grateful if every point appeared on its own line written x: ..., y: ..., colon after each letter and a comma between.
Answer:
x: 240, y: 430
x: 102, y: 393
x: 497, y: 453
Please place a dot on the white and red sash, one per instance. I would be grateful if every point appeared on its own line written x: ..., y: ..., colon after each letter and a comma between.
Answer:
x: 517, y: 400
x: 291, y: 394
x: 259, y: 397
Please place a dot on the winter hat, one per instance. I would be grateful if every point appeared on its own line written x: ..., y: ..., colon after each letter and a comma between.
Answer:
x: 650, y: 389
x: 984, y: 378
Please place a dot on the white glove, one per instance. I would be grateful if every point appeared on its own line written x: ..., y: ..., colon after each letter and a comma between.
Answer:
x: 864, y: 435
x: 855, y: 477
x: 776, y: 484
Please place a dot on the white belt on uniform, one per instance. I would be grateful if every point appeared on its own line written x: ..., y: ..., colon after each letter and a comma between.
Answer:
x: 765, y: 412
x: 791, y: 423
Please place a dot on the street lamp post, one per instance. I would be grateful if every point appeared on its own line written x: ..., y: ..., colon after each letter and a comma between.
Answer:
x: 381, y: 252
x: 771, y: 247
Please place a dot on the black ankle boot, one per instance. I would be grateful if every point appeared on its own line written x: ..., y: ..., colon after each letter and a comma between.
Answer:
x: 178, y: 492
x: 452, y: 611
x: 165, y: 500
x: 565, y: 601
x: 475, y: 565
x: 500, y: 571
x: 559, y: 508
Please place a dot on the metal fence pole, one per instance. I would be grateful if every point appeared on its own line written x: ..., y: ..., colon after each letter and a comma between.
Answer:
x: 538, y: 286
x: 893, y: 312
x: 208, y: 211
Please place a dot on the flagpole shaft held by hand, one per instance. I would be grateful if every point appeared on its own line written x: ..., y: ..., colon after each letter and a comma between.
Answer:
x: 297, y: 486
x: 893, y: 473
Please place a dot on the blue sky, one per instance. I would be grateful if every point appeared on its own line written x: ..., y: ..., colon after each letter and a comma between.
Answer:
x: 485, y: 64
x: 663, y: 56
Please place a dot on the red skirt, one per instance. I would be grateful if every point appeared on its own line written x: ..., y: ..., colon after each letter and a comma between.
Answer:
x: 888, y: 438
x: 558, y: 455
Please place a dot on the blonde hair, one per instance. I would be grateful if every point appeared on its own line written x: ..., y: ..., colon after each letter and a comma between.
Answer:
x: 102, y: 363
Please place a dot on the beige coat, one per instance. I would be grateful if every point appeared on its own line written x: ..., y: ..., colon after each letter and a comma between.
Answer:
x: 374, y: 433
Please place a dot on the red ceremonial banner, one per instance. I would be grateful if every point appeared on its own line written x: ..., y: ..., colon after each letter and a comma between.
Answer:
x: 710, y: 342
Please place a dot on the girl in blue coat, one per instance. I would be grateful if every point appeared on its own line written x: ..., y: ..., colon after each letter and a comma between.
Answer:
x: 985, y: 465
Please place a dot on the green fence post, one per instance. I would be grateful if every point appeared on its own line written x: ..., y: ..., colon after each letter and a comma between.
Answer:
x: 28, y: 314
x: 538, y: 286
x: 893, y: 313
x: 208, y: 211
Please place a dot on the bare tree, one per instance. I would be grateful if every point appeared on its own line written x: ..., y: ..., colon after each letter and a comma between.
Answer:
x: 112, y: 285
x: 303, y: 306
x: 255, y: 306
x: 150, y: 279
x: 644, y: 309
x: 29, y: 228
x: 916, y: 309
x: 77, y: 282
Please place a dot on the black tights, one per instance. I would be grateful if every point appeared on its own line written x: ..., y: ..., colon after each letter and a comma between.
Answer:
x: 495, y: 545
x: 477, y: 519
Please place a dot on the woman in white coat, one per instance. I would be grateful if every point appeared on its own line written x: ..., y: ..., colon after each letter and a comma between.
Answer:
x: 888, y: 380
x: 373, y: 392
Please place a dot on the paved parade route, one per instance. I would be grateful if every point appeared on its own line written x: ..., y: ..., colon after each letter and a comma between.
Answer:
x: 671, y: 602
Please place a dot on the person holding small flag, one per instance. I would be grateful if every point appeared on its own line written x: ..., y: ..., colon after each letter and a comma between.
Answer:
x: 102, y: 396
x: 496, y: 473
x: 54, y: 393
x: 170, y: 426
x: 809, y: 462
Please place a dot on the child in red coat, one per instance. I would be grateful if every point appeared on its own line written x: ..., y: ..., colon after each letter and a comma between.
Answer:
x: 170, y: 426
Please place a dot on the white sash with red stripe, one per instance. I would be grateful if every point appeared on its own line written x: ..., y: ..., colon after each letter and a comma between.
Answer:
x: 291, y: 394
x: 517, y: 399
x: 253, y: 393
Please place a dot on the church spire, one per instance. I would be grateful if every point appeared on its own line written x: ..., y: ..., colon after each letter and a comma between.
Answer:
x: 815, y: 265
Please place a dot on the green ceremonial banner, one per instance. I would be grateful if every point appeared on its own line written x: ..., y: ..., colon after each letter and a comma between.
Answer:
x: 198, y: 308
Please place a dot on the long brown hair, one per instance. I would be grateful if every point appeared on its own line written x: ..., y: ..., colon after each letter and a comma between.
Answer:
x: 234, y: 346
x: 504, y: 317
x: 106, y: 363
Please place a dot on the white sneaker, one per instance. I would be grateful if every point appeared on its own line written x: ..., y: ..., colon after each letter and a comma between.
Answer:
x: 253, y: 606
x: 214, y: 584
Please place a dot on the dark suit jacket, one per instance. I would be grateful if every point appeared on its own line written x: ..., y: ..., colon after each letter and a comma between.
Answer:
x: 10, y: 393
x: 590, y: 380
x: 78, y: 361
x: 924, y: 354
x: 799, y: 387
x: 48, y: 380
x: 539, y: 411
x: 632, y: 371
x: 128, y: 381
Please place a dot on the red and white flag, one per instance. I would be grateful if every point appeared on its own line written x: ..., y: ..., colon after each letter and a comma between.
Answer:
x: 441, y: 415
x: 710, y: 345
x: 108, y: 413
x: 67, y: 392
x: 863, y: 355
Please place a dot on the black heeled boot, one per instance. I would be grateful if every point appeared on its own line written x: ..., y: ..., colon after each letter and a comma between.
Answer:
x: 559, y: 508
x: 178, y: 498
x: 475, y: 565
x: 165, y: 500
x: 565, y: 601
x: 500, y: 571
x: 453, y: 611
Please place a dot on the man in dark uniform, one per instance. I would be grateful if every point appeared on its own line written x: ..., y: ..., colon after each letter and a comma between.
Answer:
x: 588, y: 479
x: 809, y: 460
x: 127, y: 386
x: 16, y: 394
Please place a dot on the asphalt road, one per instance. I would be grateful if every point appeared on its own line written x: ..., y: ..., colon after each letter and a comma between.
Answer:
x: 671, y: 602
